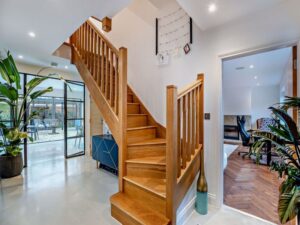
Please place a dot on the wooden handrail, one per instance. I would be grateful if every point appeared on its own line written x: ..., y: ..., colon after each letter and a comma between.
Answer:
x: 184, y: 141
x: 104, y: 69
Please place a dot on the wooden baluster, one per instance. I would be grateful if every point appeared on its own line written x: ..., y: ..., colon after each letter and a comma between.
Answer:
x: 102, y: 65
x: 197, y: 117
x: 171, y: 154
x: 111, y: 78
x: 179, y: 138
x: 184, y: 144
x: 84, y: 43
x: 88, y: 48
x: 193, y: 123
x: 201, y: 109
x: 122, y: 86
x: 92, y: 53
x: 106, y: 72
x: 81, y: 41
x: 116, y: 85
x: 188, y: 150
x: 95, y: 56
x: 99, y: 62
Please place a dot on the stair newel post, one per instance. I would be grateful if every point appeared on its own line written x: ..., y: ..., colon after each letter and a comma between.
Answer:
x: 122, y: 95
x: 171, y: 153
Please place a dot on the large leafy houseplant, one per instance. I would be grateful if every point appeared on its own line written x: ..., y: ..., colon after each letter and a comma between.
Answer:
x: 284, y: 136
x: 13, y: 134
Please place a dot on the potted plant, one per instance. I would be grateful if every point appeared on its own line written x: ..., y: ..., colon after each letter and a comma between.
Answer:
x: 284, y: 136
x: 12, y: 135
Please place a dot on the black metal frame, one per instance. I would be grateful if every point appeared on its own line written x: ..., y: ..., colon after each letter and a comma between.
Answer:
x: 66, y: 119
x: 25, y: 147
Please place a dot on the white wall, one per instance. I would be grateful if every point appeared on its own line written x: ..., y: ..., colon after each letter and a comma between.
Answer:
x: 250, y: 101
x: 237, y: 101
x: 275, y: 26
x: 286, y: 83
x: 261, y: 99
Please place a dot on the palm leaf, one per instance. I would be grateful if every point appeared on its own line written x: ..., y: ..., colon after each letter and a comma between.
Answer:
x: 287, y: 205
x: 8, y: 91
x: 14, y: 70
x: 34, y: 83
x: 39, y: 93
x: 4, y: 73
x: 289, y: 122
x: 291, y: 102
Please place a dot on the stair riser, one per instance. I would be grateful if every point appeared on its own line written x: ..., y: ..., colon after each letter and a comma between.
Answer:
x: 129, y: 98
x: 140, y: 135
x: 133, y: 108
x: 134, y: 152
x: 137, y: 121
x: 143, y: 196
x: 146, y: 170
x: 121, y: 216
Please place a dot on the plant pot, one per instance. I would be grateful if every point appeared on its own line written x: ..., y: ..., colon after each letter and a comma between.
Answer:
x: 10, y: 166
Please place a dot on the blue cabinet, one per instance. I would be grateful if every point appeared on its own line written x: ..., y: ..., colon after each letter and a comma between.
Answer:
x: 105, y: 151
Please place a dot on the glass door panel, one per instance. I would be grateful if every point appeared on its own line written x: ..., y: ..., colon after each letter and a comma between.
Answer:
x: 74, y: 119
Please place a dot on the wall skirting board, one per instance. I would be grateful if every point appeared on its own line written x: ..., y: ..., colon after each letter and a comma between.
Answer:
x: 189, y: 208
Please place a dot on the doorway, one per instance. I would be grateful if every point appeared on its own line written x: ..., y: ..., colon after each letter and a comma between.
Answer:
x: 58, y: 131
x: 251, y: 84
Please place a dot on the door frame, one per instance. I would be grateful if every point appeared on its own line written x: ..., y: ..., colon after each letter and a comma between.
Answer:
x: 25, y: 144
x: 66, y: 120
x: 295, y: 44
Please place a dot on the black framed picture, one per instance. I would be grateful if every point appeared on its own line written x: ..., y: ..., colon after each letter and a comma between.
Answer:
x: 187, y: 48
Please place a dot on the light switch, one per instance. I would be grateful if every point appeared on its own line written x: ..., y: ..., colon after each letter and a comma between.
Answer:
x: 207, y: 116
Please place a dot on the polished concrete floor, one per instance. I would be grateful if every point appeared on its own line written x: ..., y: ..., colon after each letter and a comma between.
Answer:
x: 60, y: 192
x: 55, y: 191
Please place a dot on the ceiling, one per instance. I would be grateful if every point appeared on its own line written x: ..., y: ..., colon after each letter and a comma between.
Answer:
x: 227, y: 10
x: 268, y: 68
x: 53, y: 21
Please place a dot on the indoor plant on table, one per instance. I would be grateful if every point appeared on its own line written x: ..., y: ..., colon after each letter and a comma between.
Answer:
x: 286, y: 141
x: 12, y: 135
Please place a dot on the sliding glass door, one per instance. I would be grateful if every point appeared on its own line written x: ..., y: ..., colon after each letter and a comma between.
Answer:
x: 74, y: 119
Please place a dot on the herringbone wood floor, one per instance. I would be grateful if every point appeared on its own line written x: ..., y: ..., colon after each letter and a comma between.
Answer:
x: 251, y: 188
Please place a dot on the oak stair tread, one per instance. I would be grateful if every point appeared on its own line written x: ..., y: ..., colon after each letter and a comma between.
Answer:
x: 141, y: 128
x: 154, y: 185
x: 154, y: 141
x: 153, y: 160
x: 138, y: 212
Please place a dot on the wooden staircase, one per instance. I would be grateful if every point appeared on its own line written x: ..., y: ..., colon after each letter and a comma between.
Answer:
x: 156, y: 164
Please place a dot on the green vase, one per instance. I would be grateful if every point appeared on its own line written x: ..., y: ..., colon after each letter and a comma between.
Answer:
x: 202, y: 195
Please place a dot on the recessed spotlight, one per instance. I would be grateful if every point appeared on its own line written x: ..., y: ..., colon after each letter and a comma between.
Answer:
x: 66, y: 67
x: 20, y: 57
x: 255, y: 77
x: 31, y: 34
x: 251, y: 66
x: 212, y: 8
x: 258, y: 84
